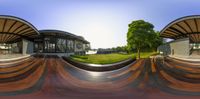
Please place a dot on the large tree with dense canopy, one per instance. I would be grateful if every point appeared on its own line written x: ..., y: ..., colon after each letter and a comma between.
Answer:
x: 140, y: 34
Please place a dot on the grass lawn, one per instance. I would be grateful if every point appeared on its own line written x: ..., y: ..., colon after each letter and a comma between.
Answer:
x: 102, y: 58
x: 146, y: 54
x: 108, y: 58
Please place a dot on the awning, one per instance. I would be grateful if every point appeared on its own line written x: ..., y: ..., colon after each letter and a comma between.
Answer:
x: 184, y: 27
x: 13, y: 28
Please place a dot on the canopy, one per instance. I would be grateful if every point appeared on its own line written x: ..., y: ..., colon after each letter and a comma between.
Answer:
x: 184, y: 27
x: 13, y: 28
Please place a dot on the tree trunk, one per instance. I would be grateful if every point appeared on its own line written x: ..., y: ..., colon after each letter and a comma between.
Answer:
x: 155, y: 50
x: 138, y: 52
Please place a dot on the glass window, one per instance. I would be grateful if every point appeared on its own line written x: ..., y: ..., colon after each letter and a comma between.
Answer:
x: 79, y: 45
x: 49, y: 45
x: 11, y: 48
x: 38, y: 47
x: 61, y: 45
x: 70, y: 45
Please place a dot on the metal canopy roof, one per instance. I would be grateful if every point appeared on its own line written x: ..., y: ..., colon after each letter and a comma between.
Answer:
x: 13, y: 28
x: 62, y: 34
x: 188, y: 26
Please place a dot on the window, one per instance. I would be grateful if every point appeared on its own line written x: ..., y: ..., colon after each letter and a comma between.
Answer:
x: 70, y: 45
x: 61, y: 45
x: 49, y: 45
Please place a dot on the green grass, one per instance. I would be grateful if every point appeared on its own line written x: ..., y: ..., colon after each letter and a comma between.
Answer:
x: 102, y: 58
x: 108, y: 58
x: 146, y: 54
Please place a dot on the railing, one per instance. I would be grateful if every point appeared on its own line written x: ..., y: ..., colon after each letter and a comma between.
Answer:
x: 95, y: 67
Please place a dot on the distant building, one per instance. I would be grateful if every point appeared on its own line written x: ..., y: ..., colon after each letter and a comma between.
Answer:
x: 105, y: 51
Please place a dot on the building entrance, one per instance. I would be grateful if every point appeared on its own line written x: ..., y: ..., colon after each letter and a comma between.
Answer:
x: 11, y: 48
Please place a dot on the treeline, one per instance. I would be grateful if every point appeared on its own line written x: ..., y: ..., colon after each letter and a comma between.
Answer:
x: 118, y: 49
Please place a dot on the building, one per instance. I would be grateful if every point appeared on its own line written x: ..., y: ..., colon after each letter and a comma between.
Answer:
x: 18, y: 36
x: 185, y: 33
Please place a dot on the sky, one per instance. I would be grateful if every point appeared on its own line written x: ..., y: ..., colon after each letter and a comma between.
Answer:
x: 104, y: 23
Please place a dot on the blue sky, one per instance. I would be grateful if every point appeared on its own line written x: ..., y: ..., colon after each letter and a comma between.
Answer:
x: 102, y: 22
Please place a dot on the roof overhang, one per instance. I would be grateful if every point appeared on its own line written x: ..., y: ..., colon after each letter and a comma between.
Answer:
x: 13, y: 28
x: 188, y: 26
x: 63, y: 34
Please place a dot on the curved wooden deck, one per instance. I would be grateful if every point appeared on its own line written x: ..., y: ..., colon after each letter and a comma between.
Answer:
x: 51, y: 77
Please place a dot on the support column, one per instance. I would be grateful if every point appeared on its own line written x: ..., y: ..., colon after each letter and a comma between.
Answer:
x: 74, y: 46
x: 24, y: 46
x: 27, y: 47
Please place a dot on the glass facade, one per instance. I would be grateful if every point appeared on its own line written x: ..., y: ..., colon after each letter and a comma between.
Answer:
x: 52, y: 44
x: 11, y: 48
x: 195, y: 46
x: 49, y: 44
x: 79, y: 45
x: 5, y: 48
x: 38, y: 47
x: 51, y: 41
x: 61, y: 45
x: 194, y: 49
x: 70, y: 45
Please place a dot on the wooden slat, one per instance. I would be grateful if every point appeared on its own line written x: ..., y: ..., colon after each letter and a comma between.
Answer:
x: 178, y: 27
x: 192, y: 25
x: 15, y: 27
x: 4, y: 25
x: 184, y: 25
x: 10, y: 23
x: 20, y: 29
x: 1, y: 24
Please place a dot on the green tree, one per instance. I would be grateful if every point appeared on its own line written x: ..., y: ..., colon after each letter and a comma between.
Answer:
x: 140, y: 34
x: 156, y: 41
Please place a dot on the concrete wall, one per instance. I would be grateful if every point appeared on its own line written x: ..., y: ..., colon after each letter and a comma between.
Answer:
x: 27, y: 47
x: 178, y: 47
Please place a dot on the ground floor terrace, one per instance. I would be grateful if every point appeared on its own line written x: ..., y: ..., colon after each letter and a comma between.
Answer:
x: 51, y: 77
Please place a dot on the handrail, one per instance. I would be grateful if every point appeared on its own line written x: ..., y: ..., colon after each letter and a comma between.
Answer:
x: 98, y: 67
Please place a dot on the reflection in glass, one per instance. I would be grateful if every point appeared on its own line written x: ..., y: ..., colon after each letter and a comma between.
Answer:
x: 61, y: 45
x: 49, y: 45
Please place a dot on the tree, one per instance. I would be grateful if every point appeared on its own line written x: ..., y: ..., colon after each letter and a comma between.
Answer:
x: 140, y: 34
x: 120, y: 49
x: 157, y: 41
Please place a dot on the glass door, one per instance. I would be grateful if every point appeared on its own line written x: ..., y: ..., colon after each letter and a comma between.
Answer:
x: 50, y: 45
